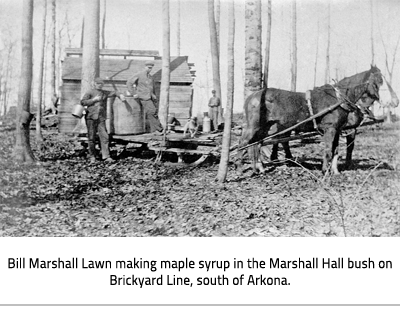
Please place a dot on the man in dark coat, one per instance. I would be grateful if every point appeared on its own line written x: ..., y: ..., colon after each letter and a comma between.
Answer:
x: 141, y: 87
x: 96, y: 102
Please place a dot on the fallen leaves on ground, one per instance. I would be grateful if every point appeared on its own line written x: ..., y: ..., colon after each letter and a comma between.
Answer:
x: 65, y: 195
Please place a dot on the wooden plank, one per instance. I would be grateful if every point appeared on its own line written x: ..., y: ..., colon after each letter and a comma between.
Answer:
x: 115, y: 52
x: 179, y: 150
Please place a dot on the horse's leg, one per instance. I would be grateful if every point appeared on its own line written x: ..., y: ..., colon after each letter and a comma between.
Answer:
x: 329, y: 137
x: 350, y: 138
x: 286, y: 147
x: 335, y: 152
x: 254, y: 154
x: 274, y: 152
x: 247, y: 135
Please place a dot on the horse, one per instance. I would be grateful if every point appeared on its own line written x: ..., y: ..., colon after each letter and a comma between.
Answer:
x: 272, y: 110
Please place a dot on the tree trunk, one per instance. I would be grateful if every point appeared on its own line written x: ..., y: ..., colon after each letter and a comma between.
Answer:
x: 217, y: 15
x: 214, y: 53
x: 82, y: 31
x: 253, y: 59
x: 327, y: 69
x: 178, y: 29
x: 22, y: 151
x: 268, y: 44
x: 90, y: 53
x: 53, y: 53
x: 39, y: 136
x: 372, y: 34
x: 226, y: 140
x: 165, y: 73
x: 294, y: 47
x: 103, y: 25
x: 316, y: 57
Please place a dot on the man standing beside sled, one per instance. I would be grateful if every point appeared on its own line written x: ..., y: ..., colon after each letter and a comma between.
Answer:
x: 141, y: 87
x: 96, y: 102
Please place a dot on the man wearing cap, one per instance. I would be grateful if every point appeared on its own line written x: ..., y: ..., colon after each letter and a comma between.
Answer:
x: 141, y: 86
x: 213, y: 110
x: 96, y: 102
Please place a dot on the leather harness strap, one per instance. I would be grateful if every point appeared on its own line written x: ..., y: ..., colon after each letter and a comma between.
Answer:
x: 310, y: 109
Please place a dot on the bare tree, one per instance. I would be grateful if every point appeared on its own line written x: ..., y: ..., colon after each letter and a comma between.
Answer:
x: 23, y: 151
x: 226, y: 141
x: 253, y: 59
x: 103, y: 25
x: 165, y: 77
x: 389, y: 64
x: 39, y: 136
x: 268, y: 43
x: 372, y: 34
x: 90, y: 53
x: 53, y: 74
x: 327, y: 69
x: 316, y: 56
x: 217, y: 13
x: 294, y: 47
x: 178, y: 29
x: 214, y: 51
x: 9, y: 49
x: 82, y: 31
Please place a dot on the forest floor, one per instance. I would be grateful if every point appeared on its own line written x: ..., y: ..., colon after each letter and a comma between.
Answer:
x: 65, y: 195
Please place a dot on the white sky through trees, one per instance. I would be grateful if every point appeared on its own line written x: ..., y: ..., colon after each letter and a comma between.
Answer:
x: 138, y: 25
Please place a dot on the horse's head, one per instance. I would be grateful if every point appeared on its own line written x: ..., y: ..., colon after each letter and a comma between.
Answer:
x: 374, y: 82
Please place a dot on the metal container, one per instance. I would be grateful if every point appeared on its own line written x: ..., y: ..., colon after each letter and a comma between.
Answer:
x: 129, y: 117
x: 78, y: 110
x: 206, y: 123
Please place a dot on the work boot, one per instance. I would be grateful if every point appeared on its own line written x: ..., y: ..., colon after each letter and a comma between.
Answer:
x: 109, y: 160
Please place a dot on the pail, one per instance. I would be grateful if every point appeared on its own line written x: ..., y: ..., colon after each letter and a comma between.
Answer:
x: 78, y: 111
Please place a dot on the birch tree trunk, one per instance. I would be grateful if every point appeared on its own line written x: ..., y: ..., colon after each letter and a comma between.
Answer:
x: 214, y: 52
x: 217, y: 14
x: 53, y: 54
x: 316, y: 57
x: 372, y: 34
x: 327, y: 67
x: 253, y: 58
x: 23, y: 151
x: 103, y: 25
x: 294, y: 47
x: 268, y: 44
x: 39, y: 136
x: 178, y: 29
x: 226, y: 140
x: 165, y: 74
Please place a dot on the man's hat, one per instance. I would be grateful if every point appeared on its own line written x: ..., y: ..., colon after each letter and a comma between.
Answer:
x: 213, y: 91
x: 98, y: 80
x: 149, y: 63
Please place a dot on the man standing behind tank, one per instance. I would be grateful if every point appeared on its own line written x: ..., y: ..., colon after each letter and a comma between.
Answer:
x: 141, y: 86
x: 213, y: 105
x: 96, y: 114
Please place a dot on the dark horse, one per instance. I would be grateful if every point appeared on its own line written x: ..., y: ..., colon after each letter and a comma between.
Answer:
x: 271, y: 110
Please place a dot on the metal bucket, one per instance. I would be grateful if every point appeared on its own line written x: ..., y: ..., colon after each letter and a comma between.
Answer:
x: 78, y: 110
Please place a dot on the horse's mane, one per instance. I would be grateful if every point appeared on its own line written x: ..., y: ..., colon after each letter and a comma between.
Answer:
x: 354, y: 80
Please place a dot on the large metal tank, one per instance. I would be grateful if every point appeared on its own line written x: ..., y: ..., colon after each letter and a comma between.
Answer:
x: 127, y: 117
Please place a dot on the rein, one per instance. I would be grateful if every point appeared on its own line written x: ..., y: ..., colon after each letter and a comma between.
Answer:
x: 321, y: 113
